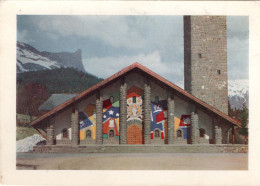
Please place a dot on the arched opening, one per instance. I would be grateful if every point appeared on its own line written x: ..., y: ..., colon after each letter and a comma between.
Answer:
x: 111, y: 133
x: 65, y: 134
x: 88, y: 134
x: 179, y: 134
x: 157, y: 133
x: 202, y: 132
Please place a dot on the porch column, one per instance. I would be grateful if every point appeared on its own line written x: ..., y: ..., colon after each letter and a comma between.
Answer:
x: 170, y: 120
x: 194, y: 128
x: 218, y: 134
x: 50, y: 136
x: 233, y: 135
x: 75, y: 128
x: 123, y: 114
x: 147, y: 113
x: 99, y: 120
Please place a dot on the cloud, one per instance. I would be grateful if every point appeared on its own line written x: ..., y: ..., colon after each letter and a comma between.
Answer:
x: 238, y: 26
x: 24, y: 36
x: 114, y: 30
x: 107, y: 66
x: 122, y: 40
x: 52, y: 36
x: 139, y: 32
x: 238, y: 46
x: 238, y: 56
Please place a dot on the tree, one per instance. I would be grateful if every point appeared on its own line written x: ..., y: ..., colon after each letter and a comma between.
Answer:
x: 230, y: 110
x: 244, y: 121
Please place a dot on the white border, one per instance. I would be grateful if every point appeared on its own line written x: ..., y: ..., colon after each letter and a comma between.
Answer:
x: 8, y: 12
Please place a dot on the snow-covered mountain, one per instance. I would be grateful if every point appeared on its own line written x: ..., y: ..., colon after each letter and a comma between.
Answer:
x: 238, y: 92
x: 30, y: 59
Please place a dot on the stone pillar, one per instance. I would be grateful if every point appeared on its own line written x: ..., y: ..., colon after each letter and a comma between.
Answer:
x: 50, y: 136
x: 194, y: 128
x: 75, y: 128
x: 99, y: 121
x: 170, y: 120
x: 147, y: 113
x: 123, y: 114
x: 218, y: 135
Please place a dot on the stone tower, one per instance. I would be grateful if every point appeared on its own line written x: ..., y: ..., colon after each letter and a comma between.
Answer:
x: 205, y: 59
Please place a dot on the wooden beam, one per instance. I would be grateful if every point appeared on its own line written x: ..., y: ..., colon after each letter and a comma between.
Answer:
x: 40, y: 133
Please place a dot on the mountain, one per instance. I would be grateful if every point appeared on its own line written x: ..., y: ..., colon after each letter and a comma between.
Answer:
x: 30, y: 59
x: 238, y: 91
x: 35, y: 87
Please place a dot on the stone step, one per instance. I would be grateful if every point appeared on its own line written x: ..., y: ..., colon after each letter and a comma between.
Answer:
x: 144, y: 149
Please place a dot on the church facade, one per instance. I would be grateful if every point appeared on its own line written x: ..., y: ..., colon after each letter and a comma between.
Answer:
x: 135, y: 106
x: 138, y: 107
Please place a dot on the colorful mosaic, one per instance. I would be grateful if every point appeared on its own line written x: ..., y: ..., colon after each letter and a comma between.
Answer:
x: 87, y: 121
x: 159, y: 117
x: 134, y: 103
x: 111, y: 114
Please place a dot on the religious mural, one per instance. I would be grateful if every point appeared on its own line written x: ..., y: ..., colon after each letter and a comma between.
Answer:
x: 134, y: 103
x: 184, y: 124
x: 87, y: 121
x: 111, y: 115
x: 111, y: 112
x: 158, y: 117
x: 159, y: 120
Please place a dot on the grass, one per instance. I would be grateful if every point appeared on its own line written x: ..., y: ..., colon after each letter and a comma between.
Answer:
x: 23, y: 132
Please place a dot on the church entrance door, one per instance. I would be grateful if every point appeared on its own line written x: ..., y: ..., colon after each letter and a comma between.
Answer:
x: 134, y: 134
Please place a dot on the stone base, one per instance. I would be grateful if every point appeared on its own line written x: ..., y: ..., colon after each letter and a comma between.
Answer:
x: 210, y: 148
x: 203, y: 141
x: 111, y: 141
x: 88, y: 142
x: 157, y: 141
x: 180, y: 141
x: 63, y: 142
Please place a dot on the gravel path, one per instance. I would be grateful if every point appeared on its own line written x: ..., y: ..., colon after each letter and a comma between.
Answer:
x: 133, y: 161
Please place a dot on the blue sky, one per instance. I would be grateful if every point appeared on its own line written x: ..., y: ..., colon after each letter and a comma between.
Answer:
x: 110, y: 43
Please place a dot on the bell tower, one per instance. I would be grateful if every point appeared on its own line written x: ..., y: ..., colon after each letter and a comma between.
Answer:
x: 205, y: 59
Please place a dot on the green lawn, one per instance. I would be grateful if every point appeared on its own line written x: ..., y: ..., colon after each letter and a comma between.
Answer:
x: 23, y: 132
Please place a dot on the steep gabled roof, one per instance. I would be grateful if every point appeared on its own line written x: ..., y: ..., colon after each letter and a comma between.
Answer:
x: 122, y: 73
x: 55, y: 100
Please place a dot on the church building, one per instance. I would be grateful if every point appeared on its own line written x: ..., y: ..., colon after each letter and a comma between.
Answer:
x: 136, y: 106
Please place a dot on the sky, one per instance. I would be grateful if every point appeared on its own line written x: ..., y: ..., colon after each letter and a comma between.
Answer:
x: 110, y: 43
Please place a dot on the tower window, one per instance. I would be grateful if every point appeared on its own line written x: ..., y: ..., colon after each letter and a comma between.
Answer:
x: 111, y: 99
x: 134, y: 99
x: 219, y: 72
x: 156, y: 99
x: 200, y: 55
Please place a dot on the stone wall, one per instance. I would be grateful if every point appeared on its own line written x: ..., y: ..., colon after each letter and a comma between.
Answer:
x: 61, y: 121
x: 205, y: 59
x: 143, y: 149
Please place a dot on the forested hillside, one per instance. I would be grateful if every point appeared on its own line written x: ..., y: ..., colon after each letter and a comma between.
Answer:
x: 33, y: 88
